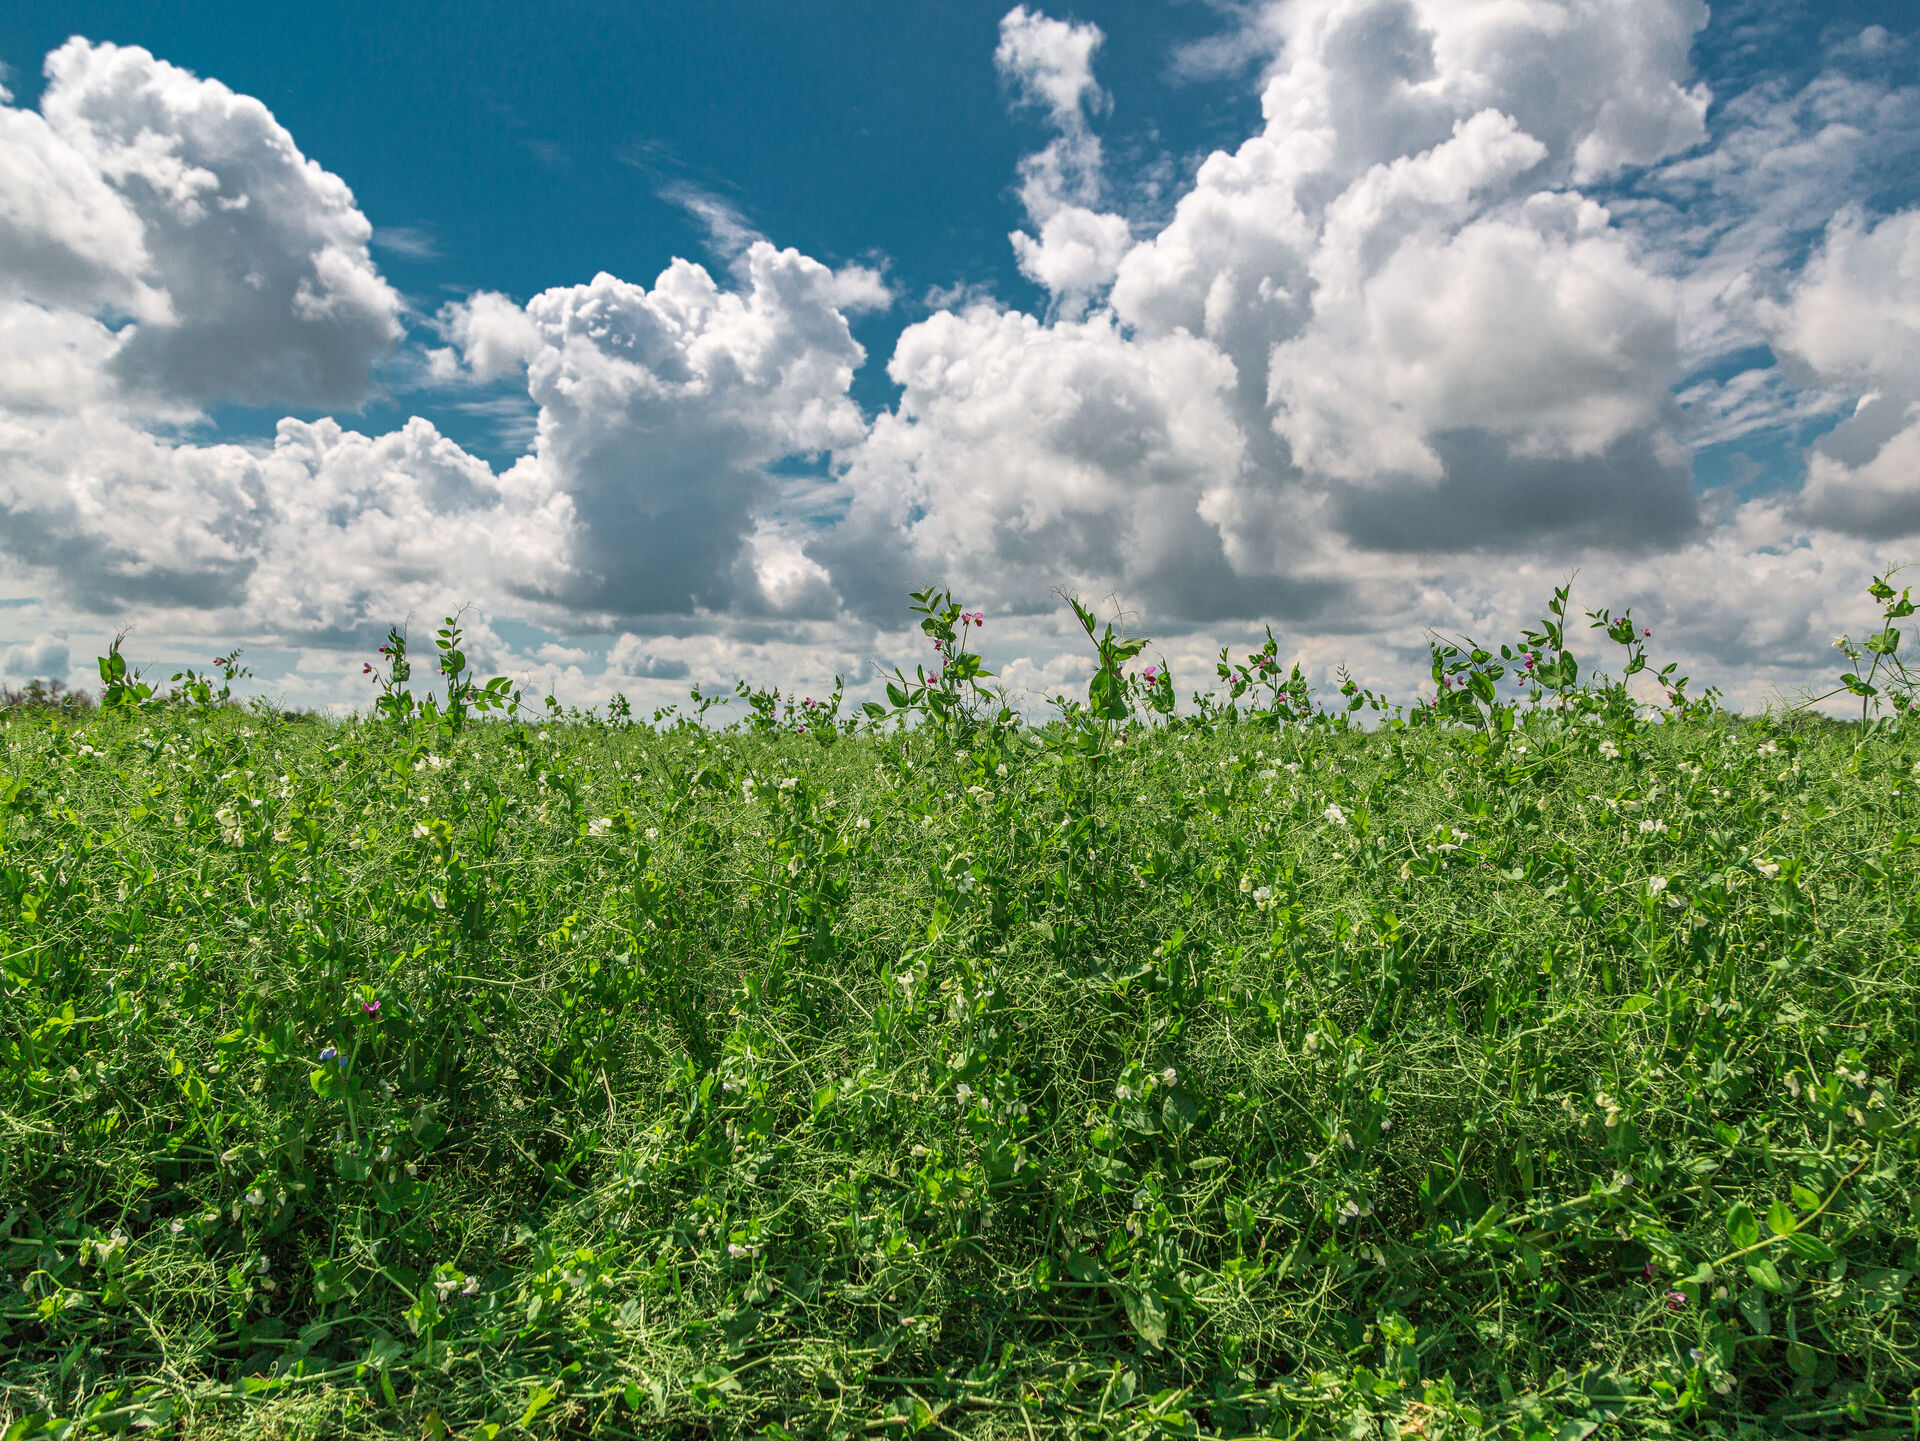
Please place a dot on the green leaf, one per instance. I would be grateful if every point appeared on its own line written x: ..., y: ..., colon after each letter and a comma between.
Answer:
x: 1147, y: 1316
x: 1764, y: 1275
x: 541, y: 1398
x: 1811, y: 1247
x: 1780, y: 1220
x: 1742, y: 1229
x: 1801, y: 1357
x: 1806, y: 1200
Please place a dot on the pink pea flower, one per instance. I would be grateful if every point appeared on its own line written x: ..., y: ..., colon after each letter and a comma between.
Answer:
x: 372, y: 1008
x: 1646, y: 630
x: 367, y: 669
x: 1646, y: 1272
x: 1152, y: 674
x: 1676, y: 1300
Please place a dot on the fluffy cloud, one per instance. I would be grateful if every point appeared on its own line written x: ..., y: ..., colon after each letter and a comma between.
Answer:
x: 1854, y: 320
x: 244, y: 264
x: 66, y: 235
x: 45, y: 657
x: 1049, y: 65
x: 1387, y: 323
x: 1025, y: 455
x: 659, y: 411
x: 165, y: 246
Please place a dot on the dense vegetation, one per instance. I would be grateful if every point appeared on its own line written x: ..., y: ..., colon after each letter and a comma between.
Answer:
x: 1528, y: 1064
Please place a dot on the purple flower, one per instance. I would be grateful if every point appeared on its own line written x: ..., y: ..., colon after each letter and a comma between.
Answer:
x: 372, y: 1008
x: 1646, y: 630
x: 1676, y: 1300
x: 332, y: 1053
x: 1152, y: 674
x: 1646, y: 1272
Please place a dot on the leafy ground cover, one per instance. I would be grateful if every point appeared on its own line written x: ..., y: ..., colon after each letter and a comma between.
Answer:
x: 1530, y: 1064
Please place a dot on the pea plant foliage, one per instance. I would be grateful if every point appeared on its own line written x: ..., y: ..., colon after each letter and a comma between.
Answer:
x: 1534, y: 1059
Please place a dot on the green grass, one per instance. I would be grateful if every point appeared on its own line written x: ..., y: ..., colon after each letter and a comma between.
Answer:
x: 834, y: 1085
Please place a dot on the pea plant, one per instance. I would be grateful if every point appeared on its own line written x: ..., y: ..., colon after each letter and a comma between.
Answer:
x: 1534, y: 1060
x: 1888, y: 682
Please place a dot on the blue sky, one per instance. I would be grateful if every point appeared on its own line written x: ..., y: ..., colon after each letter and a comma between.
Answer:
x: 1330, y: 310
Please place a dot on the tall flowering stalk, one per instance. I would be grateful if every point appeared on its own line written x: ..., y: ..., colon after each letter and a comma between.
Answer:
x: 946, y: 694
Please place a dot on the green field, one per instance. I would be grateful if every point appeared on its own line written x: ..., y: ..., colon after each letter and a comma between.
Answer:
x: 1530, y: 1067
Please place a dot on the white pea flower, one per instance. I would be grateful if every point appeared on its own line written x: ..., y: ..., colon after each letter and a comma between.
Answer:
x: 1335, y: 814
x: 599, y: 825
x: 1656, y: 884
x: 653, y: 833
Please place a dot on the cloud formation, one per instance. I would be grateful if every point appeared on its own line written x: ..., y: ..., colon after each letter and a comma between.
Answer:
x: 1854, y: 320
x: 1444, y: 327
x: 1389, y: 322
x: 1048, y: 65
